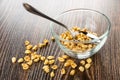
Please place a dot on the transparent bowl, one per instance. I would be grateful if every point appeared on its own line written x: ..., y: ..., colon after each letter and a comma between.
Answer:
x: 93, y: 20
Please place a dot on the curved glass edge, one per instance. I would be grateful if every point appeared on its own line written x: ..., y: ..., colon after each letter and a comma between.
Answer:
x: 84, y: 9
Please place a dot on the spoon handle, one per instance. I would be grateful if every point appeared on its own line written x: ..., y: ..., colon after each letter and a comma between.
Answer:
x: 31, y: 9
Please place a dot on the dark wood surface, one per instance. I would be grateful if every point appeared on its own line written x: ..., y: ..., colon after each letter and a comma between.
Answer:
x: 17, y: 25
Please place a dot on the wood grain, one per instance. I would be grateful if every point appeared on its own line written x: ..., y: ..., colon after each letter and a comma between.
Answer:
x: 17, y: 25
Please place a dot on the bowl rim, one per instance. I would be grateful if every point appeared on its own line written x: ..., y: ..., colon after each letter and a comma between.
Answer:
x: 82, y: 9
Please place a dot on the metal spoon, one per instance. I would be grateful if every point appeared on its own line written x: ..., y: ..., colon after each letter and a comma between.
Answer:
x: 31, y: 9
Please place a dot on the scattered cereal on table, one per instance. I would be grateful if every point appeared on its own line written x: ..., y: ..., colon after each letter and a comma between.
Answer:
x: 27, y: 58
x: 27, y: 52
x: 87, y: 66
x: 38, y: 55
x: 13, y: 59
x: 73, y: 65
x: 36, y: 59
x: 81, y: 68
x: 72, y: 72
x: 66, y: 64
x: 61, y: 59
x: 46, y: 62
x: 28, y: 47
x: 51, y: 61
x: 89, y: 60
x: 27, y: 42
x: 50, y: 57
x: 65, y: 56
x: 35, y: 55
x: 42, y: 58
x: 30, y: 62
x: 32, y: 56
x: 40, y: 45
x: 46, y: 68
x: 63, y: 71
x: 54, y: 67
x: 20, y: 60
x: 70, y: 61
x: 25, y: 66
x: 82, y: 62
x: 52, y: 74
x: 35, y: 47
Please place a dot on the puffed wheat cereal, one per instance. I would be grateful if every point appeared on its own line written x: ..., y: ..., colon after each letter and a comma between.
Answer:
x: 28, y: 47
x: 72, y: 72
x: 81, y: 68
x: 13, y: 59
x: 30, y: 62
x: 35, y: 48
x: 61, y: 59
x: 46, y: 62
x: 46, y: 68
x: 36, y: 59
x: 52, y: 74
x: 40, y: 45
x: 27, y: 58
x: 63, y: 71
x: 66, y: 64
x: 50, y: 57
x: 51, y: 61
x: 27, y: 52
x: 54, y: 67
x: 65, y: 56
x: 73, y: 65
x: 42, y: 58
x: 82, y: 62
x: 27, y: 42
x: 89, y: 60
x: 25, y: 66
x: 87, y: 66
x: 20, y: 60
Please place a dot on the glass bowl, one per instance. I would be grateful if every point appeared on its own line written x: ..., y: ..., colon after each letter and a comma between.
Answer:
x: 93, y: 20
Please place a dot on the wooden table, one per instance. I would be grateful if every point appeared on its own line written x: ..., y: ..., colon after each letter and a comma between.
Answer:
x: 17, y: 25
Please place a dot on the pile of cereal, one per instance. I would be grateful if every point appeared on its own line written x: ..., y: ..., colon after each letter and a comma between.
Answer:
x: 81, y: 47
x: 31, y: 56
